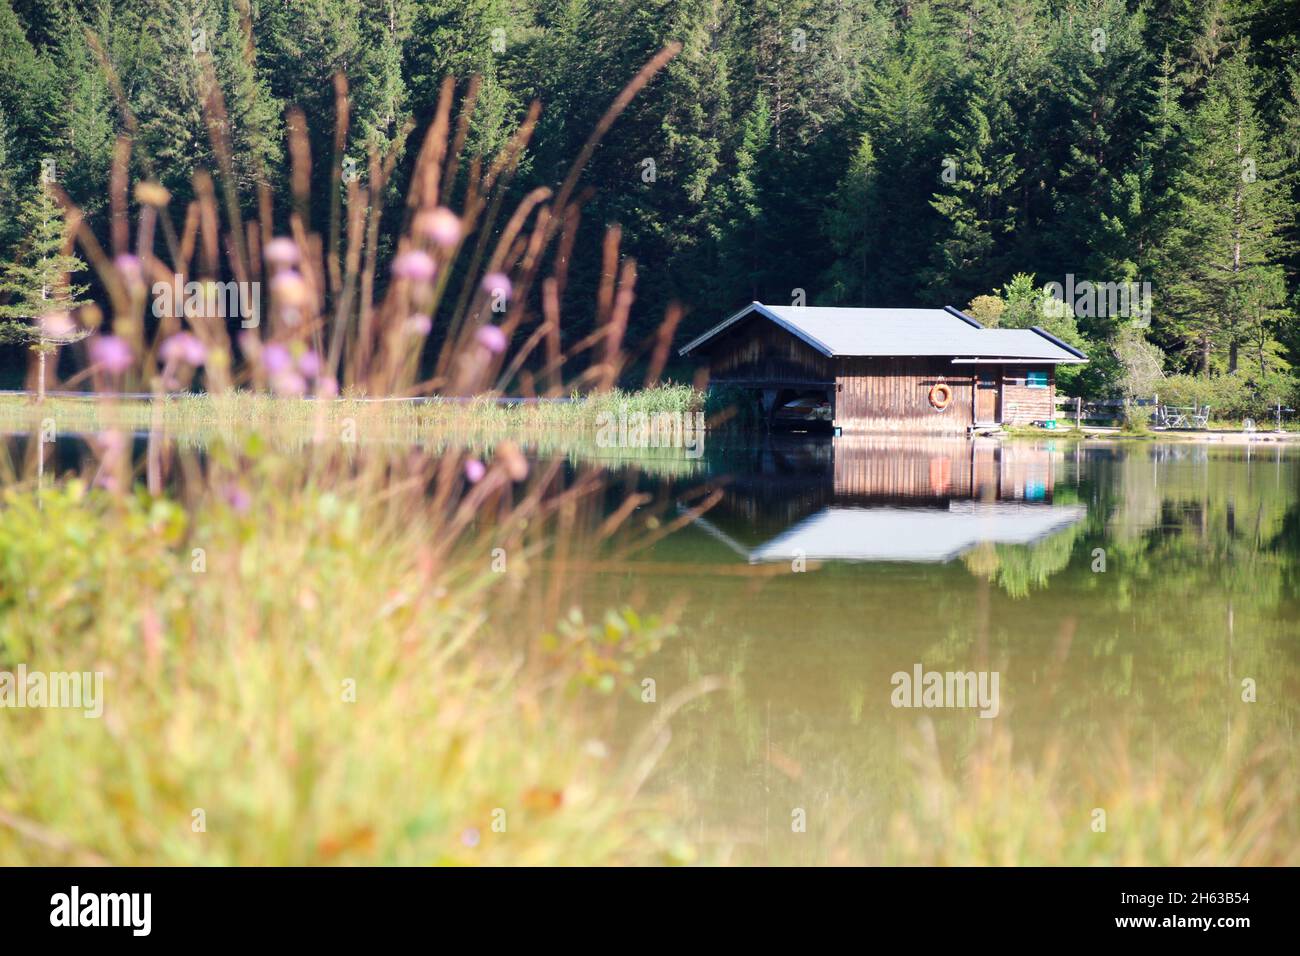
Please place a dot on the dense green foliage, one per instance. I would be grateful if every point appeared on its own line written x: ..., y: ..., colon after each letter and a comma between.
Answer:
x: 876, y: 152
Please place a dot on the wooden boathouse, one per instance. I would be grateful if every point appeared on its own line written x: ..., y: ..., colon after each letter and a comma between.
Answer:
x: 935, y: 371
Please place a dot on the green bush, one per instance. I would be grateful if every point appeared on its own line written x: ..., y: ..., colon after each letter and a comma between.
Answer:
x: 1230, y: 396
x: 1137, y: 420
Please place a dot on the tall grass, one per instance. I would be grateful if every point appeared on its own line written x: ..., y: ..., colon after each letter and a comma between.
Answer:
x: 314, y: 677
x: 346, y: 652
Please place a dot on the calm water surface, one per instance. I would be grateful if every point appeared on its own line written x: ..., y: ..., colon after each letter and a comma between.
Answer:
x: 1122, y: 592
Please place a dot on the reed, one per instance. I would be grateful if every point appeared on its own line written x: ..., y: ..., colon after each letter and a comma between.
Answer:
x: 197, y: 414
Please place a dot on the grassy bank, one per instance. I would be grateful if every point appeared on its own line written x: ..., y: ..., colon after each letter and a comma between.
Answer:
x: 207, y: 417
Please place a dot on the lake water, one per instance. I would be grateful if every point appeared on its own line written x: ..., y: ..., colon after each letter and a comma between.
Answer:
x: 1122, y: 593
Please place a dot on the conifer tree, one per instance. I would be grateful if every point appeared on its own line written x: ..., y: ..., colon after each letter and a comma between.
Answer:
x: 38, y: 282
x: 169, y: 101
x: 979, y: 181
x: 89, y: 118
x: 902, y: 115
x: 850, y: 227
x: 1227, y: 234
x: 738, y: 212
x: 7, y: 226
x: 1103, y: 88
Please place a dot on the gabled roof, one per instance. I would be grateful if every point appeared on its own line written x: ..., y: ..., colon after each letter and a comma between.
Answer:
x: 902, y: 332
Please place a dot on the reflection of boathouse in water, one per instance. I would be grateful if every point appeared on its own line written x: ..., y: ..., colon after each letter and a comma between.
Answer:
x: 866, y: 499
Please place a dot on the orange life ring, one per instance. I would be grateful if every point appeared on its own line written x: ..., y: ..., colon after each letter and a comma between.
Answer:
x: 941, y: 395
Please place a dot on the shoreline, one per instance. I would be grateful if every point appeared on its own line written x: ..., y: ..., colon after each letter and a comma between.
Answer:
x: 417, y: 418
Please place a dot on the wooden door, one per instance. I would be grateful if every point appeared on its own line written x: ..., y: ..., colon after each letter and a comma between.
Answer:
x: 986, y: 397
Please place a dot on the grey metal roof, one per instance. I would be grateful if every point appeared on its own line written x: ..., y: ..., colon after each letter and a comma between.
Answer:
x: 902, y: 332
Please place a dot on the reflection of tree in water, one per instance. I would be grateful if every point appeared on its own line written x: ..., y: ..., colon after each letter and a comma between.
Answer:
x: 1017, y: 568
x: 1198, y: 593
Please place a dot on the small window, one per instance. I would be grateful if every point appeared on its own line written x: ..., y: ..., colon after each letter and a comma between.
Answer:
x: 1036, y: 379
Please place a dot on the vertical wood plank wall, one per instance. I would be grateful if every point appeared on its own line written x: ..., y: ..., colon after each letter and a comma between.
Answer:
x: 1022, y: 404
x: 893, y: 395
x: 874, y: 395
x: 758, y: 351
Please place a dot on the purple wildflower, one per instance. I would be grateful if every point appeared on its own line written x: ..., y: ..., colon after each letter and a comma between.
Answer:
x: 282, y: 251
x: 289, y: 288
x: 113, y: 354
x: 184, y: 347
x: 56, y: 325
x: 474, y: 470
x: 498, y: 284
x: 237, y: 498
x: 276, y: 359
x: 415, y: 266
x: 309, y: 363
x: 491, y: 338
x: 129, y: 268
x: 289, y: 384
x: 442, y: 226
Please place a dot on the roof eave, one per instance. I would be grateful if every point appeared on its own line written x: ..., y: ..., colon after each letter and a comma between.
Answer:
x: 699, y: 340
x: 1017, y: 360
x: 953, y: 310
x: 768, y: 314
x: 794, y: 330
x: 1057, y: 342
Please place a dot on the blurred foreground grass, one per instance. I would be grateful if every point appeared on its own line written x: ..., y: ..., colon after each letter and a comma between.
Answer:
x: 304, y: 672
x: 1004, y: 809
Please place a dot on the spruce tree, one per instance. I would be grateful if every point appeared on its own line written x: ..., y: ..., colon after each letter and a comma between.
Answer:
x: 169, y: 101
x: 850, y: 227
x: 979, y: 180
x: 1103, y: 86
x: 738, y: 213
x: 1232, y: 200
x: 38, y: 281
x: 902, y: 115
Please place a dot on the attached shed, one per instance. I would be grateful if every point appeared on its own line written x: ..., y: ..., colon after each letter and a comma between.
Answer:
x: 887, y: 370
